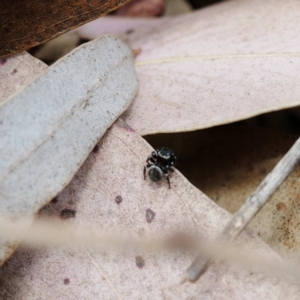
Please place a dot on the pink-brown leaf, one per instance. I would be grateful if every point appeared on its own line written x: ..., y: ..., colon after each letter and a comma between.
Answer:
x: 110, y: 192
x: 217, y: 65
x: 17, y: 71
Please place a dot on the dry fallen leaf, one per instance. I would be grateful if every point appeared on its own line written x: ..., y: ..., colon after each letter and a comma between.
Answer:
x: 217, y: 65
x: 17, y: 71
x: 228, y: 163
x: 109, y: 192
x: 25, y: 24
x: 126, y: 25
x: 119, y: 25
x: 145, y: 8
x: 49, y: 127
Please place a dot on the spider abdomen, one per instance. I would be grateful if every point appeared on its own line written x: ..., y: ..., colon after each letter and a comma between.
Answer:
x: 155, y: 173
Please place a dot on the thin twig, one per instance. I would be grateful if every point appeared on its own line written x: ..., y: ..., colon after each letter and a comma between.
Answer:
x: 56, y: 234
x: 251, y: 207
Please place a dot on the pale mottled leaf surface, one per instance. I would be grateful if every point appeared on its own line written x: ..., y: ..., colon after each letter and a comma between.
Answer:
x: 218, y: 65
x: 119, y: 25
x: 49, y: 127
x: 115, y: 169
x: 17, y: 71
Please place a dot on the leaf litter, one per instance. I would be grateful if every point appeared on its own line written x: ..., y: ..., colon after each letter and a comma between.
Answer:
x: 117, y: 170
x: 179, y: 115
x: 218, y: 65
x: 233, y: 161
x: 30, y: 23
x: 51, y: 125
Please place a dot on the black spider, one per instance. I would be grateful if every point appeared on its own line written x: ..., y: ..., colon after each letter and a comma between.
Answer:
x: 160, y: 163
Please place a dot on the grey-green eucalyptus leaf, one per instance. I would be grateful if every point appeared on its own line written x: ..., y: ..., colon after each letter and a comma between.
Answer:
x: 49, y: 127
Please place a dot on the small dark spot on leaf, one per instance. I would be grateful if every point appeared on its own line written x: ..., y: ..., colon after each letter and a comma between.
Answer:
x: 67, y: 213
x: 3, y: 61
x: 140, y: 262
x: 96, y: 149
x: 54, y: 200
x: 129, y: 31
x: 150, y: 215
x: 119, y: 199
x: 280, y: 206
x: 66, y: 281
x: 136, y: 52
x: 14, y: 71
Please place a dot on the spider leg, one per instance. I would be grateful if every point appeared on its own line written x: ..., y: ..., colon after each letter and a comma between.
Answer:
x: 154, y: 153
x: 168, y: 179
x: 145, y: 167
x: 150, y: 159
x: 165, y: 170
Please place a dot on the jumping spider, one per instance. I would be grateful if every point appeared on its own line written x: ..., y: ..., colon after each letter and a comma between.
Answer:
x: 160, y: 163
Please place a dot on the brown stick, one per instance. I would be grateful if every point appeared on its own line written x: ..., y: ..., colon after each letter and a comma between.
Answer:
x: 251, y: 207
